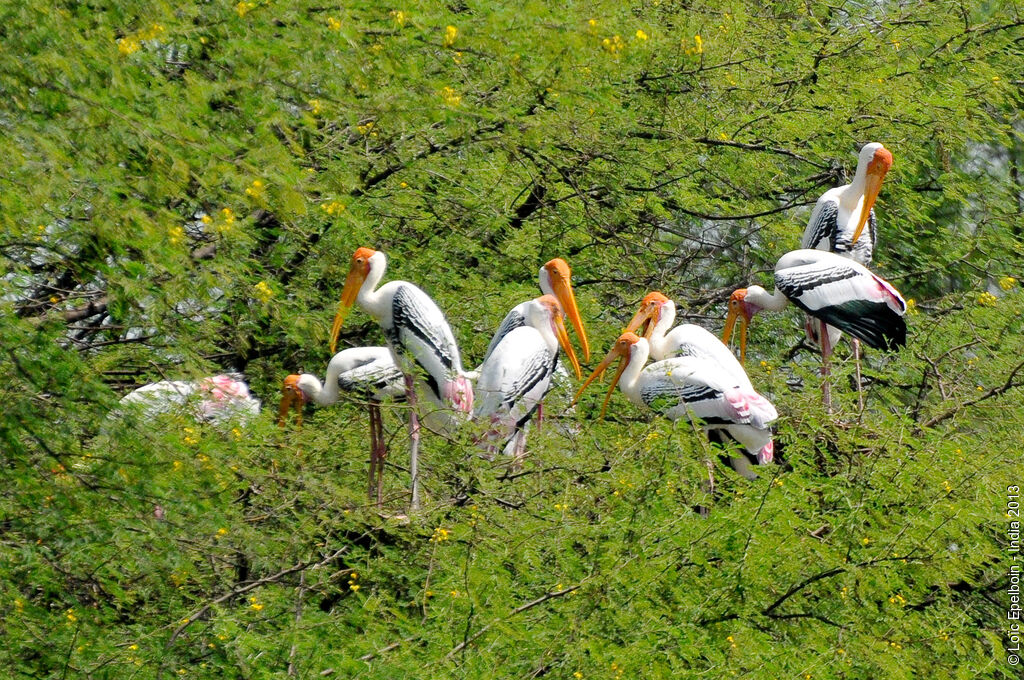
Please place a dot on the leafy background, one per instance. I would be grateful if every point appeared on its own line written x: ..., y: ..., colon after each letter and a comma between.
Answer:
x: 184, y: 183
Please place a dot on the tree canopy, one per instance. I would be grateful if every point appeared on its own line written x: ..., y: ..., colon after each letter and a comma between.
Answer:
x: 182, y: 188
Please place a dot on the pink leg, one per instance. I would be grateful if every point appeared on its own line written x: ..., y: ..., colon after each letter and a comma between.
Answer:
x: 856, y: 363
x: 826, y: 352
x: 540, y: 414
x: 414, y: 442
x: 371, y: 482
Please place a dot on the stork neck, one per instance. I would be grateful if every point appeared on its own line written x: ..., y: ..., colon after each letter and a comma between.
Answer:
x: 759, y: 297
x: 629, y: 382
x: 666, y: 317
x: 544, y: 281
x: 369, y: 298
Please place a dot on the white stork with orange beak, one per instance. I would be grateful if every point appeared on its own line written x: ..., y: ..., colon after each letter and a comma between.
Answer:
x: 834, y: 290
x: 419, y: 337
x: 836, y: 225
x: 367, y: 372
x: 654, y: 320
x: 689, y: 387
x: 518, y: 372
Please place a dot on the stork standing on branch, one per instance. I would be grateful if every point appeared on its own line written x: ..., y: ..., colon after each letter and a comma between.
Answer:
x: 419, y: 337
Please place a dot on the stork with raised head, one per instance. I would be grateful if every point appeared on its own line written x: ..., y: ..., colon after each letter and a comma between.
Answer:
x: 690, y: 387
x: 518, y: 372
x: 836, y: 225
x: 369, y: 373
x: 218, y: 399
x: 419, y: 337
x: 555, y: 279
x: 654, y: 322
x: 834, y: 290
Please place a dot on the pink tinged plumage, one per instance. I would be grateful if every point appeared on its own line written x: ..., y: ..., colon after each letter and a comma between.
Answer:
x: 459, y: 393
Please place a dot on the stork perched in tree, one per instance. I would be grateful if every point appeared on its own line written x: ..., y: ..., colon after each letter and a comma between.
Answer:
x: 834, y: 290
x: 555, y: 279
x: 654, y: 321
x: 369, y: 373
x: 419, y: 337
x: 518, y: 372
x: 690, y: 387
x: 218, y: 399
x: 836, y: 225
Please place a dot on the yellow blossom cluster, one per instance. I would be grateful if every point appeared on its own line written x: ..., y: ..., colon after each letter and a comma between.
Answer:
x: 399, y: 16
x: 912, y: 307
x: 450, y: 96
x: 224, y: 225
x: 190, y: 438
x: 613, y: 45
x: 698, y: 45
x: 255, y: 604
x: 440, y: 535
x: 315, y: 106
x: 766, y: 366
x: 732, y: 641
x: 40, y: 230
x: 176, y: 235
x: 352, y: 578
x: 133, y: 43
x: 561, y: 507
x: 1007, y: 282
x: 450, y: 33
x: 333, y: 24
x: 987, y: 299
x: 255, y: 190
x: 333, y: 208
x: 617, y: 669
x: 263, y: 292
x: 641, y: 35
x: 897, y: 599
x: 366, y: 128
x: 244, y: 8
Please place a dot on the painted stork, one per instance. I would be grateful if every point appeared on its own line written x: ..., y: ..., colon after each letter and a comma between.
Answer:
x: 518, y: 372
x: 836, y: 223
x: 655, y: 317
x: 554, y: 278
x: 419, y: 337
x: 367, y: 372
x: 834, y: 290
x: 690, y: 387
x: 218, y: 399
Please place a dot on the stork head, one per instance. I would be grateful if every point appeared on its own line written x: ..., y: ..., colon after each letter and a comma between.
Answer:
x: 291, y: 395
x: 647, y: 317
x: 357, y: 273
x: 558, y: 277
x: 553, y: 311
x: 876, y: 161
x: 740, y: 309
x: 622, y: 350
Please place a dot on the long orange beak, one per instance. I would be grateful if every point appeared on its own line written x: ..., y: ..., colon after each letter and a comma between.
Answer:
x: 620, y: 350
x: 877, y: 169
x: 291, y: 395
x: 563, y: 340
x: 559, y: 274
x: 353, y: 282
x: 730, y: 321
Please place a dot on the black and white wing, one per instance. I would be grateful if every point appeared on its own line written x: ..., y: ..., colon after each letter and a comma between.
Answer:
x: 844, y: 294
x: 419, y: 331
x: 823, y: 225
x: 516, y: 318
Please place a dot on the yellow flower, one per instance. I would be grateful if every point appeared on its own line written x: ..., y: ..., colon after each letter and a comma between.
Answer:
x: 127, y: 45
x: 353, y: 586
x: 577, y: 674
x: 315, y: 106
x: 640, y: 35
x: 365, y: 128
x: 133, y: 647
x: 255, y: 604
x: 440, y: 535
x: 229, y: 215
x: 450, y: 33
x: 243, y: 8
x: 450, y: 96
x: 865, y: 540
x: 613, y: 45
x: 699, y: 49
x: 263, y: 291
x: 896, y: 45
x: 399, y: 16
x: 176, y: 235
x: 236, y: 433
x: 71, y: 615
x: 222, y: 531
x: 454, y: 593
x: 911, y: 306
x: 333, y: 24
x: 1007, y: 282
x: 206, y: 219
x: 333, y: 208
x: 987, y: 299
x: 255, y: 189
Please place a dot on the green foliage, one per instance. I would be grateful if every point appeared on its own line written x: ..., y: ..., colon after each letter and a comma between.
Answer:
x: 183, y: 185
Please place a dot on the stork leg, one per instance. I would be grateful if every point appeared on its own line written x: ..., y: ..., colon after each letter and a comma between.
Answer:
x: 856, y: 364
x: 382, y: 453
x: 826, y: 352
x: 374, y: 434
x: 540, y: 414
x: 414, y: 442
